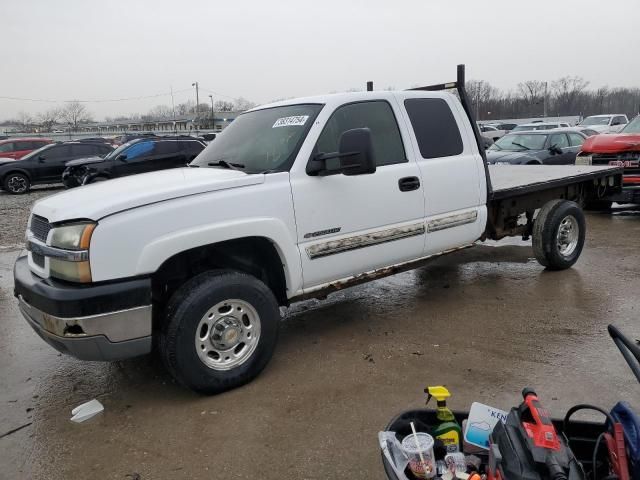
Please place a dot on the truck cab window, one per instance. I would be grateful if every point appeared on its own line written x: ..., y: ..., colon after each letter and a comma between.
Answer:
x: 435, y: 127
x: 378, y: 117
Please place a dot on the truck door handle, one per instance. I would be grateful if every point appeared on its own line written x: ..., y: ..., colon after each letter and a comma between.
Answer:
x: 407, y: 184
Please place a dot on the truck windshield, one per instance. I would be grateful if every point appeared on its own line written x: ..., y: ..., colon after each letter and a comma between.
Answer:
x: 595, y: 121
x: 264, y: 140
x: 633, y: 126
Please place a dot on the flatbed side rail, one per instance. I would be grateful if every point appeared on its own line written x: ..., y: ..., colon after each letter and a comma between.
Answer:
x: 459, y: 85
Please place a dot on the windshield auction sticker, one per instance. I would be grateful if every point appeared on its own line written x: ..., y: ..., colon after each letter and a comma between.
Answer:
x: 296, y: 121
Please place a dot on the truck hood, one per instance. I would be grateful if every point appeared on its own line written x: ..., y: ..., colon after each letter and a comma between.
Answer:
x: 84, y: 161
x: 621, y: 142
x: 100, y: 199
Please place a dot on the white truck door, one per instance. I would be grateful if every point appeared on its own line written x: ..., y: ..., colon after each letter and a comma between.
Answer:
x: 349, y: 225
x: 451, y: 168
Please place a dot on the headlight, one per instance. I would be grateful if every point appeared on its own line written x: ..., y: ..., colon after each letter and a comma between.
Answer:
x: 71, y: 237
x: 584, y: 160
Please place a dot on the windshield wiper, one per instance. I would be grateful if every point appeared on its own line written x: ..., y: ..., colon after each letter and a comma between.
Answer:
x: 225, y: 164
x: 520, y: 145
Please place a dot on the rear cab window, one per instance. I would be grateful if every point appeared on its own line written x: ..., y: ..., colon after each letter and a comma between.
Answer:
x: 435, y: 127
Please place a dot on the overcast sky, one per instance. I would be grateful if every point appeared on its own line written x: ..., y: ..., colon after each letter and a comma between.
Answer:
x: 266, y: 50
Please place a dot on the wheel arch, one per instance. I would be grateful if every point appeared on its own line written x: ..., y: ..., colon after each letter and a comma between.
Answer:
x: 16, y: 170
x: 257, y: 256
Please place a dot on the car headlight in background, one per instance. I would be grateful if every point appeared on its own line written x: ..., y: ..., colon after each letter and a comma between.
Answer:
x: 73, y: 267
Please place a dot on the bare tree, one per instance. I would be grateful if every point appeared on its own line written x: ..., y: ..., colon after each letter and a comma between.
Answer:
x: 74, y: 113
x: 24, y: 119
x: 481, y: 94
x: 223, y: 106
x: 49, y: 118
x: 532, y: 91
x: 241, y: 104
x: 185, y: 108
x: 567, y: 91
x: 161, y: 112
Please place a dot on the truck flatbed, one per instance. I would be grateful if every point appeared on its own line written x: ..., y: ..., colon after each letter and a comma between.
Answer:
x: 514, y: 180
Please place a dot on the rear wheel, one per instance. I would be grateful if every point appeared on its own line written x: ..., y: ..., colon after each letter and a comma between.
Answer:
x: 16, y: 183
x: 220, y: 331
x: 558, y: 234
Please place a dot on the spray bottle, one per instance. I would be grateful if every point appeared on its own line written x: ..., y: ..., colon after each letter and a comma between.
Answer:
x: 447, y: 430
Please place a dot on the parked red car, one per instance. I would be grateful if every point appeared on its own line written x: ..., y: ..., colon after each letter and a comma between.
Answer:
x: 622, y: 150
x: 19, y: 147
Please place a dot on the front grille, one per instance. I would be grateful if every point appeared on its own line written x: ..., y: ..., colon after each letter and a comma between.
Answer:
x: 630, y: 161
x: 40, y: 227
x: 38, y: 259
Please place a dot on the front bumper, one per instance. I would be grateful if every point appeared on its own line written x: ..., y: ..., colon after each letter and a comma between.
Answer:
x: 110, y: 321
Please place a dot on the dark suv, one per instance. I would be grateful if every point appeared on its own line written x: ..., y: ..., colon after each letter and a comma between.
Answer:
x: 46, y: 164
x: 137, y: 156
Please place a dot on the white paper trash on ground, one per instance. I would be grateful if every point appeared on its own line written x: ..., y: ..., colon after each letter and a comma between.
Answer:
x: 86, y: 411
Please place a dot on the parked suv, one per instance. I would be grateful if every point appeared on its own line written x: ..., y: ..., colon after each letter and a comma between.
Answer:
x: 19, y: 147
x: 137, y: 156
x: 45, y: 165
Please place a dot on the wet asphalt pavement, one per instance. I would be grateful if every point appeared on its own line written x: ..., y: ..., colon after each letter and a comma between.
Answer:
x: 485, y: 321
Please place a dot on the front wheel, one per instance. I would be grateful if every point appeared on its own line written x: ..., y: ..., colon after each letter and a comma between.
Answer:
x: 558, y: 234
x: 220, y: 331
x: 16, y: 183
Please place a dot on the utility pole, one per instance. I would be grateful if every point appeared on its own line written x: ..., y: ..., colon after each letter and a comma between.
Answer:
x: 544, y: 101
x: 212, y: 121
x: 195, y: 84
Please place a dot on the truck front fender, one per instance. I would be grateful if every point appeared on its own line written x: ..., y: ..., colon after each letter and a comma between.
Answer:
x: 155, y: 253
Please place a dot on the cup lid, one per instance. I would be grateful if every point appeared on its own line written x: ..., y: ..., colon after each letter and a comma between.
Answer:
x: 423, y: 442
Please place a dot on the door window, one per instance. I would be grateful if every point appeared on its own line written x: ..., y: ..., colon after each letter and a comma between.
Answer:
x: 165, y: 147
x: 559, y: 140
x: 435, y: 127
x: 192, y: 147
x: 575, y: 140
x: 138, y: 150
x: 6, y: 147
x: 378, y: 117
x: 621, y: 120
x: 83, y: 150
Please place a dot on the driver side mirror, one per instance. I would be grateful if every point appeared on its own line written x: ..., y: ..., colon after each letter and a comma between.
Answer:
x: 354, y: 156
x: 122, y: 157
x: 41, y: 159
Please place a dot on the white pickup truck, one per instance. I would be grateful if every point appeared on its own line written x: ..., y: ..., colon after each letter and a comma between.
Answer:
x: 293, y: 200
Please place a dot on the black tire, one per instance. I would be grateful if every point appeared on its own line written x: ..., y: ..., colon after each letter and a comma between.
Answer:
x: 186, y: 309
x: 546, y: 236
x: 596, y: 205
x: 16, y: 183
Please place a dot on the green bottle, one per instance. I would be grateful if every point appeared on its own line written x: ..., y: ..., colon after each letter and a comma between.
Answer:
x: 448, y: 430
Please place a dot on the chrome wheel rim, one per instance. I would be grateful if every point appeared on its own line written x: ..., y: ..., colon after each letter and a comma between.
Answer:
x: 17, y: 184
x: 568, y: 234
x: 228, y: 334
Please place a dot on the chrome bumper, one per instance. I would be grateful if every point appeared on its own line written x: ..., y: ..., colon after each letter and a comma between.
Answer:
x: 109, y: 336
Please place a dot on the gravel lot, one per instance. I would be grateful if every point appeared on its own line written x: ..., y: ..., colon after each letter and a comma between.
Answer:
x: 14, y: 213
